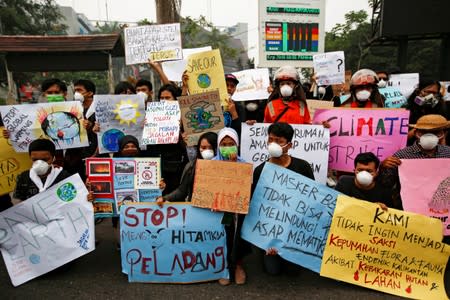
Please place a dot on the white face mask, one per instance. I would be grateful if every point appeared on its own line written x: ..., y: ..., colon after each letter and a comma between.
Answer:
x: 382, y: 83
x: 428, y: 141
x: 144, y: 95
x: 207, y: 154
x: 321, y: 90
x: 363, y: 95
x: 275, y: 150
x: 40, y: 167
x: 364, y: 178
x: 252, y: 106
x: 78, y: 97
x: 286, y: 90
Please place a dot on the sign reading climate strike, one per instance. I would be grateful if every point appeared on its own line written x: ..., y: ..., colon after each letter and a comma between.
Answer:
x: 392, y: 251
x: 175, y: 244
x: 355, y: 130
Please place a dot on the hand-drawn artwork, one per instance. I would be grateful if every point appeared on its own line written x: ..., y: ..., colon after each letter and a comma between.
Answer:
x: 35, y: 259
x: 67, y: 192
x: 200, y: 116
x: 127, y: 112
x: 60, y: 125
x: 203, y: 80
x: 110, y: 139
x: 441, y: 198
x: 253, y: 84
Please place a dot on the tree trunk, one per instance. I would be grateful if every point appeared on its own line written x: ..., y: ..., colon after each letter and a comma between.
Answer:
x: 168, y: 11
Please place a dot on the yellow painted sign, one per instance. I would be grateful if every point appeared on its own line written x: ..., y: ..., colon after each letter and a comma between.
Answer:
x: 392, y: 251
x: 206, y: 74
x: 11, y: 165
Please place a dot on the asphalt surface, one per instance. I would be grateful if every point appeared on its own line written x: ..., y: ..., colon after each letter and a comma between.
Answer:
x: 98, y: 276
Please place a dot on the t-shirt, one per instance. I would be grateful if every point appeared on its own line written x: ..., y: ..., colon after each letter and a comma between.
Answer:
x: 378, y: 193
x: 297, y: 165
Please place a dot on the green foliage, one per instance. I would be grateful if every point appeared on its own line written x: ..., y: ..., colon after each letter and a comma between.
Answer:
x: 108, y: 28
x: 28, y: 17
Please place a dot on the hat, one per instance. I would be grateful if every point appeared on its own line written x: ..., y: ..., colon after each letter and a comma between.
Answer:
x: 230, y: 132
x: 286, y: 73
x: 431, y: 122
x: 232, y: 78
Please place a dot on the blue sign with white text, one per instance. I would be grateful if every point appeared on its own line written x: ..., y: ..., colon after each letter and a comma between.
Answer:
x: 394, y: 98
x: 177, y: 243
x: 291, y: 213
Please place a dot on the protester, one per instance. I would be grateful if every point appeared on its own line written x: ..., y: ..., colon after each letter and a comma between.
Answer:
x: 383, y: 78
x: 146, y: 88
x: 169, y: 92
x: 53, y: 90
x: 43, y: 174
x: 206, y: 149
x: 287, y: 103
x: 279, y: 143
x: 124, y: 88
x: 363, y: 91
x: 364, y: 184
x: 237, y: 248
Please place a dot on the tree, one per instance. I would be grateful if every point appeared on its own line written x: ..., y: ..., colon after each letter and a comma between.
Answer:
x: 30, y: 17
x: 167, y: 11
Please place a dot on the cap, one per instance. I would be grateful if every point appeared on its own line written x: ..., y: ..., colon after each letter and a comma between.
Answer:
x: 431, y: 122
x: 232, y: 78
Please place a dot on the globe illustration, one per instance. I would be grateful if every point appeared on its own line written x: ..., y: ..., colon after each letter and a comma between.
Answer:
x: 203, y: 81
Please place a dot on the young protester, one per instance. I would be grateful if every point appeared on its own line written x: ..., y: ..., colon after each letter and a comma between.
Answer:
x: 124, y: 88
x: 364, y: 184
x: 279, y: 143
x: 206, y: 149
x: 237, y: 248
x: 146, y: 88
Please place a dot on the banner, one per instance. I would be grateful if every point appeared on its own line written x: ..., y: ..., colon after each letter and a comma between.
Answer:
x: 290, y: 33
x: 11, y: 165
x: 314, y: 104
x: 200, y: 113
x: 157, y: 42
x: 162, y: 123
x: 222, y: 185
x: 406, y: 83
x: 391, y: 251
x: 292, y: 214
x: 380, y: 131
x: 60, y: 122
x: 113, y: 183
x: 252, y: 85
x: 118, y: 115
x: 174, y: 244
x: 46, y: 231
x: 431, y: 199
x: 206, y: 74
x: 329, y: 68
x: 174, y: 69
x: 310, y: 142
x: 394, y: 98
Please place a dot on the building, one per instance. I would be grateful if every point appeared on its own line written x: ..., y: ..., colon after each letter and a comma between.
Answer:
x: 76, y: 23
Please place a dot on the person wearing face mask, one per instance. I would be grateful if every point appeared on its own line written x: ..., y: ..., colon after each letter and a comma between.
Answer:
x: 383, y: 78
x: 206, y: 149
x: 43, y: 174
x: 364, y: 91
x: 364, y: 185
x: 430, y: 131
x: 287, y: 103
x: 145, y: 88
x: 279, y: 143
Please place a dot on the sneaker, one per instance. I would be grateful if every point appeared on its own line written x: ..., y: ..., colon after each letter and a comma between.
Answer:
x: 224, y: 281
x: 239, y: 275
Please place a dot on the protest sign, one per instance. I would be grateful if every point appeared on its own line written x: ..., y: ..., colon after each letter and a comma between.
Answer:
x: 11, y: 165
x: 222, y: 185
x: 310, y: 142
x: 290, y: 213
x: 118, y: 115
x: 162, y: 123
x: 391, y: 251
x: 200, y: 113
x: 157, y: 42
x: 356, y: 130
x: 174, y: 69
x: 445, y: 90
x: 406, y: 82
x: 431, y: 199
x: 252, y: 85
x: 329, y: 67
x: 394, y: 98
x: 205, y: 71
x: 60, y: 122
x: 177, y: 243
x: 113, y: 182
x: 46, y: 231
x: 316, y: 104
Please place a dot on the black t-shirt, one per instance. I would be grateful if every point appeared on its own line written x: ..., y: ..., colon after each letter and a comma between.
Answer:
x: 378, y: 193
x: 297, y: 165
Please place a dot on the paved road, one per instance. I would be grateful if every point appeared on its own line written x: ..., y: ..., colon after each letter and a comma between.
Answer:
x: 98, y: 276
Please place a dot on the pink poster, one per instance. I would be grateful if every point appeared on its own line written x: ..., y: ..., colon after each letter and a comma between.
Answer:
x: 426, y: 188
x: 355, y: 130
